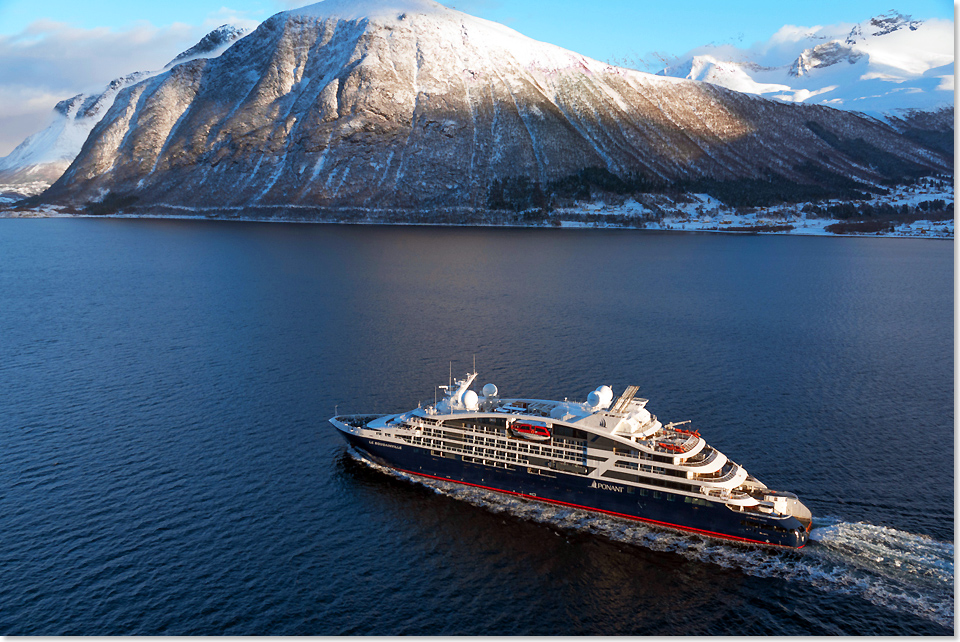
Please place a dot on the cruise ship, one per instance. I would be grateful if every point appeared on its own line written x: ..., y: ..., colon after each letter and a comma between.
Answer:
x: 604, y: 455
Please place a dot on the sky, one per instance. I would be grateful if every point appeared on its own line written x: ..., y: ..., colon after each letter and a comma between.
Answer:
x: 54, y: 49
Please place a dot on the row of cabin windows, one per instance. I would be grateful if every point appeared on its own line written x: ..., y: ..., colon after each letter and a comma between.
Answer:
x: 569, y: 433
x: 651, y: 481
x: 498, y: 426
x: 618, y: 449
x: 646, y: 468
x: 756, y: 526
x: 490, y: 452
x: 543, y: 473
x: 545, y: 451
x: 487, y: 462
x: 494, y: 425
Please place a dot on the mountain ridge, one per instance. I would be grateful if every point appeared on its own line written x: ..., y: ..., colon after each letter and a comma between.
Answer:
x: 415, y: 106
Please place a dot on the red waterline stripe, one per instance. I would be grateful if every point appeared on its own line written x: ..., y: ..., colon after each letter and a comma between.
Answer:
x: 600, y: 510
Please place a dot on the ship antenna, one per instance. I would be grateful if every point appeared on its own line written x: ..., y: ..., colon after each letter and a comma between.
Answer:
x: 451, y: 374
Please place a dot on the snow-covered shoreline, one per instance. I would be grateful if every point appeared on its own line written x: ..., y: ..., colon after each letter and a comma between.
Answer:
x: 655, y: 212
x: 703, y: 213
x: 919, y: 229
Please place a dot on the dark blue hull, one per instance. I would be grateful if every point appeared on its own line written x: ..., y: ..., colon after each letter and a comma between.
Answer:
x: 660, y: 508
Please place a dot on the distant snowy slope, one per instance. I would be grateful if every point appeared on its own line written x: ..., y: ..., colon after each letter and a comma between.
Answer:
x: 40, y: 159
x: 880, y: 66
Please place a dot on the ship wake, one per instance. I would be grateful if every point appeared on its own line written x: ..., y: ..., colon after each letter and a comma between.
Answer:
x: 890, y: 568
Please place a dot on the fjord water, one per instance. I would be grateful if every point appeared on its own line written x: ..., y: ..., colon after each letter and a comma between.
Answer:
x: 166, y: 465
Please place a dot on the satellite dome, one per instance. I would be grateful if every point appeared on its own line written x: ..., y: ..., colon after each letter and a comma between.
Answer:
x: 593, y: 398
x: 606, y: 395
x: 470, y: 400
x: 490, y: 390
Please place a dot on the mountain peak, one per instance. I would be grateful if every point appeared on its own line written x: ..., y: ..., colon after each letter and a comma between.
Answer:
x: 216, y: 39
x: 881, y: 25
x: 892, y: 21
x: 371, y: 9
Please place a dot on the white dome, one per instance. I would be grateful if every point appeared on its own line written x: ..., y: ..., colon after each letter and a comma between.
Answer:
x: 606, y: 395
x: 470, y: 400
x: 593, y: 398
x: 490, y: 390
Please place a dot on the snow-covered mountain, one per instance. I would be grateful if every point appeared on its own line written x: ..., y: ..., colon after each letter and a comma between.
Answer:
x: 41, y: 159
x: 407, y: 105
x: 881, y: 66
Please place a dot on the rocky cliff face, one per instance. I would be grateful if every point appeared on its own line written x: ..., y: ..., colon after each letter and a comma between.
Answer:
x: 402, y: 105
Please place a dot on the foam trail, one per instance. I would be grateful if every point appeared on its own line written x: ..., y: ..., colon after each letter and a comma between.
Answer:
x: 890, y: 568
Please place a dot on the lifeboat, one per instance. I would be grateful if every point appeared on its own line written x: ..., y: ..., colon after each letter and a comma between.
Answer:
x: 671, y: 447
x: 530, y: 432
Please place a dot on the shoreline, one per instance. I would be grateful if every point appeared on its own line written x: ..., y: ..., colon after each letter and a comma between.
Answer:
x: 897, y: 213
x: 920, y: 229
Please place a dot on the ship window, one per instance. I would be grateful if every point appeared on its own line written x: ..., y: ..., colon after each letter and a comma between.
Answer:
x: 643, y: 491
x: 616, y: 474
x: 537, y: 471
x: 670, y: 497
x: 656, y: 494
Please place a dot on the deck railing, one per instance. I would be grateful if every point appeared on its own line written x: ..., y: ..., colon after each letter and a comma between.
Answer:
x: 708, y: 459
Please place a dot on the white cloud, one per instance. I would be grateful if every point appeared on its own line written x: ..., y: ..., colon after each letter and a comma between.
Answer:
x: 226, y: 15
x: 794, y: 33
x: 62, y: 59
x: 284, y: 5
x: 50, y: 61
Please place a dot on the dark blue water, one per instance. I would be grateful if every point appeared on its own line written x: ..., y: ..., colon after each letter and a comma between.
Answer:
x: 166, y: 466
